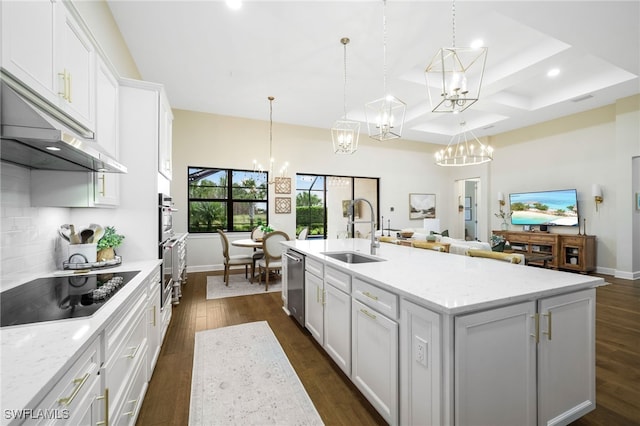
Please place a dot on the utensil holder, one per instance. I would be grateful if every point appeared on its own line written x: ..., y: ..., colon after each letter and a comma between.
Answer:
x: 76, y: 253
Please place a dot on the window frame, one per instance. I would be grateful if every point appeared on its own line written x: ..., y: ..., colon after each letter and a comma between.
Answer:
x: 261, y: 179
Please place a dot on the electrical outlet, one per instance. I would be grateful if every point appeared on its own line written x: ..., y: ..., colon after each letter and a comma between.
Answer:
x: 421, y: 351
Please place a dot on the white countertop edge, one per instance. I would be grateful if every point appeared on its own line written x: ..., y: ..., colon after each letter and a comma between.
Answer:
x: 33, y: 357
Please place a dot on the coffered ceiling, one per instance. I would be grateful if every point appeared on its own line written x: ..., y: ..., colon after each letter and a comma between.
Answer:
x: 222, y: 61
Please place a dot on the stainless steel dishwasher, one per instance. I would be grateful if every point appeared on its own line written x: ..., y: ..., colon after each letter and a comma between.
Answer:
x: 295, y: 284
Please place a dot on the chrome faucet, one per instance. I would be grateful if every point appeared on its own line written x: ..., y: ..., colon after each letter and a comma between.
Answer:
x: 374, y: 243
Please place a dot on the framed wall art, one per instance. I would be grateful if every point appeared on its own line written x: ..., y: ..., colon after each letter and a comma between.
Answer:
x: 283, y: 185
x: 283, y: 205
x: 422, y: 206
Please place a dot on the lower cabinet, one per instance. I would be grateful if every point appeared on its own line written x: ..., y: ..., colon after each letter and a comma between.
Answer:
x: 75, y: 398
x: 328, y: 313
x: 534, y: 360
x: 375, y: 359
x: 154, y: 326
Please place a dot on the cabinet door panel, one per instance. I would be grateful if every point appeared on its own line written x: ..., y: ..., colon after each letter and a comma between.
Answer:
x: 495, y: 364
x: 337, y: 327
x: 313, y: 309
x: 375, y: 359
x: 566, y: 357
x: 27, y: 44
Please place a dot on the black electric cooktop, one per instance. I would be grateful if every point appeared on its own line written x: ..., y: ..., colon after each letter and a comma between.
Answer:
x: 56, y: 298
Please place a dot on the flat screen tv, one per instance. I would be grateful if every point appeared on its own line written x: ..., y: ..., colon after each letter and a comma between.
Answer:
x: 545, y: 208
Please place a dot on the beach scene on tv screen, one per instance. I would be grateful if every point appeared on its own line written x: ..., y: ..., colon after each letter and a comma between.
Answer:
x: 545, y: 208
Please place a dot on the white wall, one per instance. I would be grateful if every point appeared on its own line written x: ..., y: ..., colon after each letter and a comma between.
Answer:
x: 217, y: 141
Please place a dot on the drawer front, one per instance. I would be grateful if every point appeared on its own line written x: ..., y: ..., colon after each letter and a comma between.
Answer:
x: 154, y: 281
x: 381, y: 300
x: 338, y: 279
x: 73, y: 387
x: 314, y: 266
x: 120, y: 363
x: 118, y: 327
x: 573, y: 241
x: 544, y: 239
x: 128, y: 411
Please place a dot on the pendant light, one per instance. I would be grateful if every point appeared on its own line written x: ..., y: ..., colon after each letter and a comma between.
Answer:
x: 454, y: 76
x: 257, y: 167
x: 345, y: 133
x: 385, y: 116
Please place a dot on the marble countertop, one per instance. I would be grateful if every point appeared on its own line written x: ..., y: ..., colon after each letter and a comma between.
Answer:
x: 34, y: 357
x: 447, y: 283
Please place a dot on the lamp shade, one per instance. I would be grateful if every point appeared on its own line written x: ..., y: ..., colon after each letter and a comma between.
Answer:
x: 596, y: 190
x: 500, y: 196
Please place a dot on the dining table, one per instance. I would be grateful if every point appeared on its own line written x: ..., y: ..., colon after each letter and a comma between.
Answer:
x: 247, y: 243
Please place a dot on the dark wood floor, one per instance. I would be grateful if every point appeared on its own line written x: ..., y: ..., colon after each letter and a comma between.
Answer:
x: 335, y: 397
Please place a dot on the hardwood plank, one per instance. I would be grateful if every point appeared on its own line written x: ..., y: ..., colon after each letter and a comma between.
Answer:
x: 335, y: 397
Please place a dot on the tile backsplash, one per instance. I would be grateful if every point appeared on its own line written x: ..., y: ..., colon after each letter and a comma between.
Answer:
x: 28, y: 235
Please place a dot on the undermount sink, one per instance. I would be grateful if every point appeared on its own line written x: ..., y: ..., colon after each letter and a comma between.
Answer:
x: 352, y: 257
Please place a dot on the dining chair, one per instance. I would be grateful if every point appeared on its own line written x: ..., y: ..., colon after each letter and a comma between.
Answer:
x: 256, y: 235
x: 272, y: 260
x: 233, y: 260
x: 303, y: 233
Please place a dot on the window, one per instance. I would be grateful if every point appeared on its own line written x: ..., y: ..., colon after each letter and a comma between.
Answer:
x: 320, y: 204
x: 231, y: 200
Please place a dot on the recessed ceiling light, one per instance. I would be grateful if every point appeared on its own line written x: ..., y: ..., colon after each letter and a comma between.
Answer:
x: 53, y: 148
x: 477, y: 43
x: 234, y: 4
x: 553, y: 72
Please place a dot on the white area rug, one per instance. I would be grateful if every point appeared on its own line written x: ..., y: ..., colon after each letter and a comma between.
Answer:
x: 238, y: 286
x: 241, y: 376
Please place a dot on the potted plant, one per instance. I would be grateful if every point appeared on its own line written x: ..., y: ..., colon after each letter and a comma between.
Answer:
x: 110, y: 240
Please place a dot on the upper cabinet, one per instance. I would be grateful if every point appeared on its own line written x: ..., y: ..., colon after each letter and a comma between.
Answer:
x: 165, y: 137
x: 45, y: 47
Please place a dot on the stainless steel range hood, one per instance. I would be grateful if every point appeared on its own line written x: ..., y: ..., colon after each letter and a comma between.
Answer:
x: 33, y: 138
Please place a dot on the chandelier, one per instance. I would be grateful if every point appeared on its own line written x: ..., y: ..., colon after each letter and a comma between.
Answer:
x: 454, y: 76
x: 345, y: 133
x: 464, y: 151
x: 257, y: 167
x: 385, y: 116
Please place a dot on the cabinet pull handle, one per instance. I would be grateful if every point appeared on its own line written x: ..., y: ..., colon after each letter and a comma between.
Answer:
x: 367, y: 313
x: 369, y: 295
x: 103, y: 190
x: 548, y: 332
x: 63, y: 74
x: 324, y: 297
x: 105, y: 422
x: 135, y: 351
x: 69, y: 87
x: 536, y: 325
x: 133, y: 409
x: 153, y: 308
x: 79, y: 382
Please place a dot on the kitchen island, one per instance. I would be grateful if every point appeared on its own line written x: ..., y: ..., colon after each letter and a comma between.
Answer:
x: 438, y: 338
x: 59, y: 370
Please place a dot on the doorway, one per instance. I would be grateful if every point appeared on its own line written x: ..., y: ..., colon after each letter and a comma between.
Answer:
x: 468, y: 207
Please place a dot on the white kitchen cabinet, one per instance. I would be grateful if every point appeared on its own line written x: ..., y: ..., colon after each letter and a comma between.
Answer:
x: 337, y: 317
x: 125, y: 350
x: 132, y: 402
x: 535, y: 361
x: 566, y: 357
x: 420, y: 365
x: 154, y: 326
x: 495, y: 364
x: 375, y: 359
x: 45, y: 47
x: 313, y: 305
x: 165, y: 164
x: 107, y: 185
x: 74, y: 396
x: 54, y: 188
